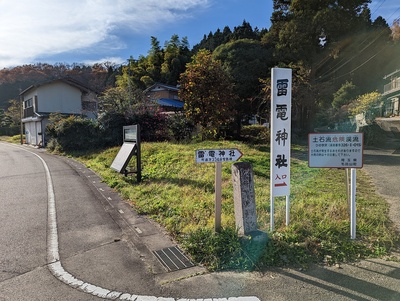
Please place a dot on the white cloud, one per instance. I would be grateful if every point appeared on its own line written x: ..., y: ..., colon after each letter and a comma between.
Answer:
x: 31, y: 29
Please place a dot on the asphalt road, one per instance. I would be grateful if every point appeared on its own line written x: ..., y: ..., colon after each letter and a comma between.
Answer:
x: 91, y: 244
x: 383, y: 165
x: 104, y: 244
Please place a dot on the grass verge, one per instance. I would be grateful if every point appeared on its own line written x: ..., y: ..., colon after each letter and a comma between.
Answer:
x: 179, y: 194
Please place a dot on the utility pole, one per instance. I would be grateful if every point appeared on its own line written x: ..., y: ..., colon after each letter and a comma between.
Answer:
x: 21, y: 128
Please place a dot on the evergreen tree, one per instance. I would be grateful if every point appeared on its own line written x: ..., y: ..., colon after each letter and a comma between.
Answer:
x: 176, y: 55
x: 247, y: 61
x: 155, y: 60
x: 244, y: 31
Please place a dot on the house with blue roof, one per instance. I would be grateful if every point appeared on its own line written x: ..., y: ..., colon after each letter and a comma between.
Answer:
x: 164, y: 95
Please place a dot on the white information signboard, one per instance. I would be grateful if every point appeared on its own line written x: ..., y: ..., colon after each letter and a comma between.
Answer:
x: 281, y: 103
x: 123, y: 157
x: 335, y: 150
x: 339, y: 150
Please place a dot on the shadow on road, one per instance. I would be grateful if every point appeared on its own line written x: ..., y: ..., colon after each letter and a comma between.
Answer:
x: 348, y: 283
x: 381, y: 159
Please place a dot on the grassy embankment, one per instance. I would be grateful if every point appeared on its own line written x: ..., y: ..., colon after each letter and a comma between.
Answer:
x: 179, y: 194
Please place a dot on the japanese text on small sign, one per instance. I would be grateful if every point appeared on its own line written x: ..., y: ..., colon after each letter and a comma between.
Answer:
x: 217, y: 155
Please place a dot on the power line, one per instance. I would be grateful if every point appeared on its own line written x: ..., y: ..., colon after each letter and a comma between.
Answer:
x: 337, y: 66
x: 358, y: 67
x: 382, y: 1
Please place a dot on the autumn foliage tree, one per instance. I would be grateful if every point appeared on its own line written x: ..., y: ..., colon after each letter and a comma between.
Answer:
x: 207, y: 90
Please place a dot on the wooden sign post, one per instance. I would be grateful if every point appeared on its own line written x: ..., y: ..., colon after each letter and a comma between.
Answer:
x: 217, y: 156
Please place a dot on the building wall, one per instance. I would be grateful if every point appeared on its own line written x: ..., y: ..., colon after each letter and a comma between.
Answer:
x: 55, y: 97
x: 154, y: 95
x: 161, y: 91
x: 58, y: 97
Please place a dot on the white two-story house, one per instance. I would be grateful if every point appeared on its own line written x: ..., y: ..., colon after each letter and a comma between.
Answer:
x: 391, y: 94
x: 66, y: 96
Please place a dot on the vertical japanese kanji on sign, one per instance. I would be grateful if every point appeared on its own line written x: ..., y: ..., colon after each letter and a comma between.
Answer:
x: 281, y: 102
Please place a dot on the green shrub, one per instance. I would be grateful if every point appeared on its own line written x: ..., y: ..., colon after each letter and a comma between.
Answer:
x: 373, y: 135
x: 9, y: 130
x: 224, y: 250
x: 217, y: 250
x: 180, y: 128
x: 255, y: 134
x: 153, y: 125
x: 110, y: 124
x: 73, y: 133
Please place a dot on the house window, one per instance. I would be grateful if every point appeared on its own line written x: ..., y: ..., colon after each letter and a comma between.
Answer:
x: 28, y: 103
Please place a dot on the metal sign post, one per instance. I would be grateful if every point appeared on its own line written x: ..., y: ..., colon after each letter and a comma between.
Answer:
x: 353, y: 221
x: 130, y: 148
x: 217, y: 156
x: 339, y: 150
x: 281, y: 97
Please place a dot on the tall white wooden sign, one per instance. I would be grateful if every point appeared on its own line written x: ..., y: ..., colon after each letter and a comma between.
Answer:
x: 281, y: 102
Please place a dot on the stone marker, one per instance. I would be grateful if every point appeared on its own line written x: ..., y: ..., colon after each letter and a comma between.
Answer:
x: 244, y: 197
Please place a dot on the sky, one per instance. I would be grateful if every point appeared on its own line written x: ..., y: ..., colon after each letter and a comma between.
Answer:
x: 96, y: 31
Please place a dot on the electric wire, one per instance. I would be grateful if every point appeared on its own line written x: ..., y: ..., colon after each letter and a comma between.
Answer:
x: 338, y: 67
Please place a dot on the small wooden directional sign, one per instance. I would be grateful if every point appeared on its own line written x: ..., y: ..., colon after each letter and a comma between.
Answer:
x: 217, y: 155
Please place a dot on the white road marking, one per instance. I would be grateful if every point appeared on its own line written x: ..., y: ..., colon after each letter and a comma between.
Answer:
x: 56, y: 268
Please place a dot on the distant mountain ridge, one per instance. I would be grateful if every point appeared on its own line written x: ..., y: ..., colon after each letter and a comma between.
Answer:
x: 14, y: 80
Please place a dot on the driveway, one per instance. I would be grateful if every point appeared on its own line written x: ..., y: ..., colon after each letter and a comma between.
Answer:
x: 383, y: 165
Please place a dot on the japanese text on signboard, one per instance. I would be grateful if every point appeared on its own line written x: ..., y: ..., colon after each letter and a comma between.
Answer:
x: 217, y: 155
x: 341, y: 150
x: 280, y: 131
